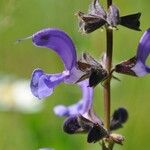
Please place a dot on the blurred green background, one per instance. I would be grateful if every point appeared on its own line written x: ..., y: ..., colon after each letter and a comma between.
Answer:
x: 30, y: 131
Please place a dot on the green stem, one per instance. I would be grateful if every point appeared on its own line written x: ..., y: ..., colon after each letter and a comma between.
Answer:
x: 107, y: 88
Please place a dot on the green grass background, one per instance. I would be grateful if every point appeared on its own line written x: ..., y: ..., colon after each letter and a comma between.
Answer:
x: 21, y: 18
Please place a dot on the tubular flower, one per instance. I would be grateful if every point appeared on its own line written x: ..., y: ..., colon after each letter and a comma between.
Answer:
x: 81, y: 106
x: 42, y: 84
x: 81, y: 117
x: 136, y: 66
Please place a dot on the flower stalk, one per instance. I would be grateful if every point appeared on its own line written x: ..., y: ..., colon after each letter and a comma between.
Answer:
x: 107, y: 88
x: 107, y: 92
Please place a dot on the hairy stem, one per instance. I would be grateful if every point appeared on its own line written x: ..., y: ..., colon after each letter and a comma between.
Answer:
x: 107, y: 88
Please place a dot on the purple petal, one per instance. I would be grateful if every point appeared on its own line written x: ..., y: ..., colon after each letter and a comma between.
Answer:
x: 60, y: 42
x: 75, y: 75
x: 87, y: 96
x: 140, y: 69
x: 61, y: 110
x: 82, y: 106
x: 142, y: 53
x: 144, y: 47
x: 42, y: 85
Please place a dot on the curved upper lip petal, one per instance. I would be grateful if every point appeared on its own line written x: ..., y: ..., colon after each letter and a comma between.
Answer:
x: 58, y: 41
x: 144, y: 47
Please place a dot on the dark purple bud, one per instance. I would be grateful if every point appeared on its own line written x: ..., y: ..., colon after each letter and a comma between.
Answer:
x: 94, y: 19
x: 78, y: 124
x: 71, y: 125
x: 85, y: 123
x: 89, y: 119
x: 96, y: 133
x: 119, y: 117
x: 93, y: 125
x: 92, y: 68
x: 131, y: 21
x: 96, y: 76
x: 125, y: 67
x: 121, y: 114
x: 89, y: 23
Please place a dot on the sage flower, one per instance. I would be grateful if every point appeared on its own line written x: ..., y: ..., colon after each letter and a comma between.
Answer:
x: 81, y: 117
x: 136, y: 66
x: 82, y: 106
x: 42, y: 84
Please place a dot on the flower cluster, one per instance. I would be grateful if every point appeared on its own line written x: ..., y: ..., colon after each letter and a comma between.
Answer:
x: 86, y: 72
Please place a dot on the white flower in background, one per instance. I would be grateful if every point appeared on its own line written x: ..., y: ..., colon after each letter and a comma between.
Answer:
x: 15, y: 95
x: 45, y: 149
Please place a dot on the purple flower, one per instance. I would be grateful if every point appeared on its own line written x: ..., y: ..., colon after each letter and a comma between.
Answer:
x: 42, y: 84
x: 82, y: 106
x: 81, y: 117
x: 136, y: 66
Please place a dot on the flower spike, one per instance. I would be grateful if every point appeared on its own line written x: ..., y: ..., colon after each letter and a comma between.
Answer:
x: 136, y: 66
